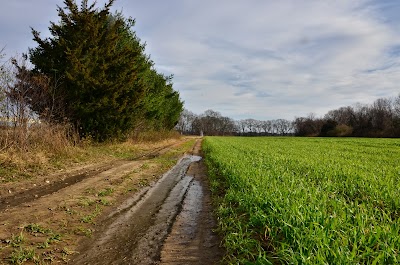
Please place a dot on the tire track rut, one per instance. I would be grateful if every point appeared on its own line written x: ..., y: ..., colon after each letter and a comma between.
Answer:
x: 170, y: 222
x: 37, y: 192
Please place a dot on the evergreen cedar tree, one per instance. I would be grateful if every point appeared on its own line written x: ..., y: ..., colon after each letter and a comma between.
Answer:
x: 105, y: 84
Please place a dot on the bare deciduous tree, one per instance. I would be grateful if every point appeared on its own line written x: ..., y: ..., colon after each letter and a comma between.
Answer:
x: 185, y: 123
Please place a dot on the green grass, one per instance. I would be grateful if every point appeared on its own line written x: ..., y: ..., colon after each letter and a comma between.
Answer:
x: 169, y: 159
x: 106, y: 192
x: 37, y: 229
x: 307, y: 200
x: 80, y: 230
x: 54, y: 238
x: 90, y: 217
x: 22, y: 255
x: 85, y: 202
x: 105, y: 202
x: 17, y: 240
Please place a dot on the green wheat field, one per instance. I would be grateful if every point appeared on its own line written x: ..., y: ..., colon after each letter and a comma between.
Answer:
x: 307, y: 200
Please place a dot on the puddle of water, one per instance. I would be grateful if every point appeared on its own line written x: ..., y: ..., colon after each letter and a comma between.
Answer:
x: 142, y: 223
x: 195, y: 158
x: 191, y: 210
x: 149, y: 246
x: 191, y: 240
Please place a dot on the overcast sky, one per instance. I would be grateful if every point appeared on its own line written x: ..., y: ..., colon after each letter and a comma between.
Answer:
x: 262, y: 59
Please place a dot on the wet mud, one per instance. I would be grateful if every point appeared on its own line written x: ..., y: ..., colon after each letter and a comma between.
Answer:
x: 170, y: 222
x: 192, y: 240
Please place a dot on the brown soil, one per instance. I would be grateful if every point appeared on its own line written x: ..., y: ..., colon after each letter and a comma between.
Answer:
x: 15, y: 193
x: 115, y: 212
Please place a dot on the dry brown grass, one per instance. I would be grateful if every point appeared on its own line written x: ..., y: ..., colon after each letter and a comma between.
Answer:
x: 43, y: 148
x: 25, y: 151
x: 38, y: 137
x: 53, y: 138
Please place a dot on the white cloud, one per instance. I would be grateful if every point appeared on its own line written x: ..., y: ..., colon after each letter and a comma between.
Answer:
x: 302, y: 55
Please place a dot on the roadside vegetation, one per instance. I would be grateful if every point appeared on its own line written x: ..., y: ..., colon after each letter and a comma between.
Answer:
x: 306, y: 200
x: 48, y: 149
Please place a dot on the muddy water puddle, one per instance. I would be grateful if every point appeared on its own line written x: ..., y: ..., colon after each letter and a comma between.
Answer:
x: 169, y: 223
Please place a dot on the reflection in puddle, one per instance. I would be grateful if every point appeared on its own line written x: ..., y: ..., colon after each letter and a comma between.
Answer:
x: 194, y: 158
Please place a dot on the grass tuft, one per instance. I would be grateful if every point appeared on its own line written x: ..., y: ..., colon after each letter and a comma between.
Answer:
x: 22, y: 255
x: 90, y: 217
x: 17, y: 240
x: 36, y: 228
x: 106, y: 192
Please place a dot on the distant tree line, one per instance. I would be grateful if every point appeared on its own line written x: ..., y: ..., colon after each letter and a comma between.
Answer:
x: 208, y: 123
x: 379, y: 119
x: 213, y: 123
x: 92, y: 73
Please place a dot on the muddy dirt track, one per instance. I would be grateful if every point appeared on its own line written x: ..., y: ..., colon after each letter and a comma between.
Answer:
x: 168, y: 221
x: 73, y: 177
x: 176, y: 210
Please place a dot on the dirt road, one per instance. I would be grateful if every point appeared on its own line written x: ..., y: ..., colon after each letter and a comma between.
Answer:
x: 168, y: 223
x: 119, y: 212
